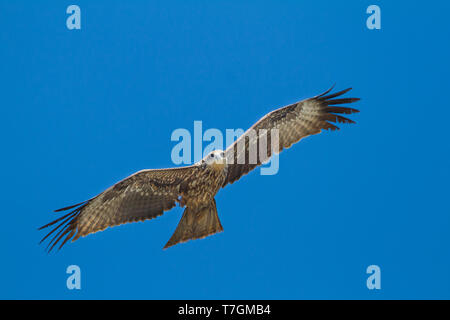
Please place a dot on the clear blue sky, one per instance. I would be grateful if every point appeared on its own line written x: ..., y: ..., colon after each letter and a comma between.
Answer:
x: 82, y: 109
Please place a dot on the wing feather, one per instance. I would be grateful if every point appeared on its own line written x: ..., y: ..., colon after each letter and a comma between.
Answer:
x: 144, y: 195
x: 293, y: 122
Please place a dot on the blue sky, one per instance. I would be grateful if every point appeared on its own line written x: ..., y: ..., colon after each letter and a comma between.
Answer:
x: 82, y: 109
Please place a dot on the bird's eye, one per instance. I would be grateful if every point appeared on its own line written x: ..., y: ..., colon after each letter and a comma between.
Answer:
x: 211, y: 155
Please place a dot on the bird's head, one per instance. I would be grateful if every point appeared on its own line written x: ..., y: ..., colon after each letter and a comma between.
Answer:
x: 215, y: 159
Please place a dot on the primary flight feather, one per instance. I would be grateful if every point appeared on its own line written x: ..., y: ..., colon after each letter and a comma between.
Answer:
x: 147, y: 194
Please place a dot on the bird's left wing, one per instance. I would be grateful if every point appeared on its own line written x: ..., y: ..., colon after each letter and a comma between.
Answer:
x: 292, y: 123
x: 143, y: 195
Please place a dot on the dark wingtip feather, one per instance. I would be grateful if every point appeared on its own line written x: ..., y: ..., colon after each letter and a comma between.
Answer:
x: 70, y: 207
x: 331, y: 102
x: 55, y: 221
x: 330, y: 126
x: 336, y: 118
x: 331, y: 109
x: 336, y: 94
x: 344, y: 110
x: 326, y: 92
x: 66, y: 226
x: 67, y: 238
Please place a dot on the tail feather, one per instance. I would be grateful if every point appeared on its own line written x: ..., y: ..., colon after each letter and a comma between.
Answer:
x: 196, y: 224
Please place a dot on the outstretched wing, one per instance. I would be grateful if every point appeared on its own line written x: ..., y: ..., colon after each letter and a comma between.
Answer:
x: 293, y: 122
x: 143, y: 195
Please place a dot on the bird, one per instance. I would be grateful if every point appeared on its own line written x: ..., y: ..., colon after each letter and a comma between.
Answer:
x: 149, y: 193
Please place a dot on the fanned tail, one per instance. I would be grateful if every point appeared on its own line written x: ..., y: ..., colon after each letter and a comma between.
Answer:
x: 196, y: 224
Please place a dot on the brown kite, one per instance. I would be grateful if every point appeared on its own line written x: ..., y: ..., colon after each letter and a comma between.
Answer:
x: 147, y: 194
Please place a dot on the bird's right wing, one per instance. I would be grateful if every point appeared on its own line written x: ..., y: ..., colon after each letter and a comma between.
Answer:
x: 293, y: 123
x: 143, y: 195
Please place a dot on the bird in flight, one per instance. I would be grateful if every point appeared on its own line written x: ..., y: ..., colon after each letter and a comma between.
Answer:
x: 147, y: 194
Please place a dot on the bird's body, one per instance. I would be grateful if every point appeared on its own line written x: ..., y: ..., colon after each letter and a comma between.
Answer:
x: 149, y: 193
x: 214, y: 172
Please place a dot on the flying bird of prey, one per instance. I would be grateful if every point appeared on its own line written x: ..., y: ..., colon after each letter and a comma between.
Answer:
x: 147, y: 194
